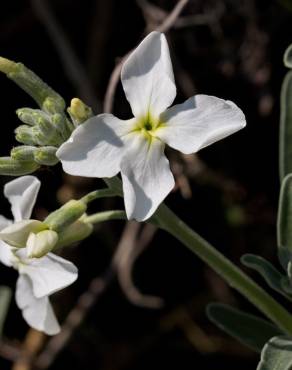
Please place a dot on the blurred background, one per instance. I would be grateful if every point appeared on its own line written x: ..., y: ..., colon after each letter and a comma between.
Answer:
x: 140, y: 300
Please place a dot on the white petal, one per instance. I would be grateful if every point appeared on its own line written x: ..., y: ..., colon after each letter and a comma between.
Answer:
x: 6, y: 256
x: 146, y: 176
x: 199, y: 121
x: 22, y: 194
x: 39, y: 244
x: 49, y: 274
x: 4, y: 222
x: 37, y: 312
x: 94, y: 149
x: 16, y: 234
x: 147, y: 77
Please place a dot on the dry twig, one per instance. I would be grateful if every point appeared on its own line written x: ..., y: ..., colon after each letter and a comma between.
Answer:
x: 126, y: 256
x: 115, y: 76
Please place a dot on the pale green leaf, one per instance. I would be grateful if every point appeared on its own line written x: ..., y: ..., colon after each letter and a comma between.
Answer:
x: 248, y: 329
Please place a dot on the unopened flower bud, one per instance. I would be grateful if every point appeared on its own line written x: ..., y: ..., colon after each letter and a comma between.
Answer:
x: 31, y: 116
x: 32, y: 85
x: 66, y: 215
x: 23, y: 152
x: 74, y: 233
x: 46, y: 134
x: 25, y: 135
x: 62, y: 125
x: 17, y: 234
x: 53, y: 105
x: 79, y: 111
x: 41, y: 243
x: 14, y: 167
x: 46, y: 155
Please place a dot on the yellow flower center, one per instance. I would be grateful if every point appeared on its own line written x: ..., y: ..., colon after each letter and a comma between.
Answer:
x: 147, y: 126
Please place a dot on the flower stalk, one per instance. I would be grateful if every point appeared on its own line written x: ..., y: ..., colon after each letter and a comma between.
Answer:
x: 101, y: 193
x: 228, y: 271
x: 237, y: 279
x: 105, y: 216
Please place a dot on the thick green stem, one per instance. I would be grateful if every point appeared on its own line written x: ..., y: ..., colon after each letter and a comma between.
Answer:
x: 167, y: 220
x: 101, y: 193
x: 225, y: 268
x: 105, y: 216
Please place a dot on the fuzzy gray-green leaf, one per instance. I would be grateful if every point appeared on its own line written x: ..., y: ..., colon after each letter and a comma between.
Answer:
x: 284, y: 226
x: 277, y: 354
x: 271, y: 275
x: 288, y: 57
x: 250, y: 330
x: 285, y: 147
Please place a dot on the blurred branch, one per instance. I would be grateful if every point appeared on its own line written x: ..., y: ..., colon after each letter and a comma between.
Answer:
x: 130, y: 248
x: 85, y: 302
x: 115, y: 76
x: 72, y: 66
x: 154, y: 15
x: 33, y: 342
x: 88, y: 299
x: 9, y: 351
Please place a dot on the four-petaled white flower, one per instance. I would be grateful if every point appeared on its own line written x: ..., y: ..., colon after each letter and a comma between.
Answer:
x: 38, y: 277
x: 105, y: 145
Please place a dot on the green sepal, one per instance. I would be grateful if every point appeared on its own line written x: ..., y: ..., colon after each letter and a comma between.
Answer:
x: 277, y: 354
x: 25, y: 135
x: 46, y: 155
x: 23, y: 152
x: 272, y: 276
x: 46, y: 134
x: 74, y: 233
x: 70, y: 212
x: 13, y: 167
x: 248, y: 329
x: 31, y: 116
x: 62, y: 125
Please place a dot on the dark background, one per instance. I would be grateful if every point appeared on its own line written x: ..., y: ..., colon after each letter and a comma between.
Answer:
x: 229, y: 195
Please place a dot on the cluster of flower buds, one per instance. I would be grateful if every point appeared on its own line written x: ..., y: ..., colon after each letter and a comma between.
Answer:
x: 42, y: 130
x: 61, y: 228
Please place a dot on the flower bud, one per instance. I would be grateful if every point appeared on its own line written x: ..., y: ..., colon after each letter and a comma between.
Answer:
x: 31, y: 116
x: 17, y: 233
x: 79, y: 112
x: 32, y: 85
x: 46, y: 134
x: 66, y: 215
x: 62, y: 125
x: 54, y: 104
x: 38, y: 245
x: 13, y: 167
x: 74, y: 233
x: 46, y: 155
x: 23, y: 152
x: 25, y: 135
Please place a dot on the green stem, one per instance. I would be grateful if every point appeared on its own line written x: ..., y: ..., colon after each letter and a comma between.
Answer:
x: 225, y: 268
x: 105, y: 216
x: 233, y: 276
x: 101, y: 193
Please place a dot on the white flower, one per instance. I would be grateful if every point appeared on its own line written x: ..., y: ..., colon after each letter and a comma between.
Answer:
x: 105, y: 145
x: 38, y: 277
